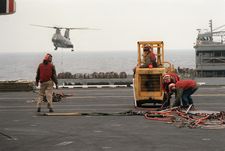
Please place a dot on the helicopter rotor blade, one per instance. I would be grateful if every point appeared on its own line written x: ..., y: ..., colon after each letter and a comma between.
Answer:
x: 57, y: 27
x: 82, y: 28
x: 54, y: 27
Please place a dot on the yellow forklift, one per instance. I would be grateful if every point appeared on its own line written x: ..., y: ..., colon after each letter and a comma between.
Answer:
x: 148, y: 81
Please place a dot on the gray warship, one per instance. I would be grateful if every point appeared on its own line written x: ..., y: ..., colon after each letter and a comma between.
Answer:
x: 210, y: 52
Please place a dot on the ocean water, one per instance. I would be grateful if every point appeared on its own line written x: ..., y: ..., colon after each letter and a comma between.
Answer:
x: 14, y: 66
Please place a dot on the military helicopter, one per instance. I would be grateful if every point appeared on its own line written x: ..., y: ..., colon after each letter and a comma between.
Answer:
x: 60, y: 41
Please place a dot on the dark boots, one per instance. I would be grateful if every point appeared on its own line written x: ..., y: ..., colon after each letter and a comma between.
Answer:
x: 48, y: 106
x: 51, y: 110
x: 38, y: 109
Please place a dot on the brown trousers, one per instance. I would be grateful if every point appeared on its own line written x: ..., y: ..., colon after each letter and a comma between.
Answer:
x: 46, y: 89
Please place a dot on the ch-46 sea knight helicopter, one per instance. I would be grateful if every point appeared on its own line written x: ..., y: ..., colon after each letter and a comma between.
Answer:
x: 60, y: 41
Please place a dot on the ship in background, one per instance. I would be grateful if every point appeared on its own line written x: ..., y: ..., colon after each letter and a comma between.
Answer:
x: 210, y: 52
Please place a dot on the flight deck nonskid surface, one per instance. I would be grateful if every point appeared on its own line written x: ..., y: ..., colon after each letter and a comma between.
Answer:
x: 22, y: 129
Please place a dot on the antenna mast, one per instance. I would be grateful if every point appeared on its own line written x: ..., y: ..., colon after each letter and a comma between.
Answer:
x: 211, y: 29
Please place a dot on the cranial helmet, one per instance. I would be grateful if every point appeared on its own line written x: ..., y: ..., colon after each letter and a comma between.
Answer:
x: 48, y: 57
x: 147, y: 47
x: 166, y: 78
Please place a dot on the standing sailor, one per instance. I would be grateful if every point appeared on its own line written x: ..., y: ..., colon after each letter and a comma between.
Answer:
x: 46, y: 75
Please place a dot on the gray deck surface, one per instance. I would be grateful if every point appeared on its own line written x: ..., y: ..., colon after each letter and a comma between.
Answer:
x: 22, y: 130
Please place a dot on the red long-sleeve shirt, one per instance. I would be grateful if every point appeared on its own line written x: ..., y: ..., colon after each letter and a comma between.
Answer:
x: 186, y: 84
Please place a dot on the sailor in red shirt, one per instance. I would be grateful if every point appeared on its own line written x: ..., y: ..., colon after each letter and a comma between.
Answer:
x: 46, y: 75
x: 184, y: 90
x: 168, y: 78
x: 149, y: 58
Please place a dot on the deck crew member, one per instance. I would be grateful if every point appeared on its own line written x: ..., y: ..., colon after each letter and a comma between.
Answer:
x: 46, y: 75
x: 168, y: 78
x: 184, y: 89
x: 149, y: 59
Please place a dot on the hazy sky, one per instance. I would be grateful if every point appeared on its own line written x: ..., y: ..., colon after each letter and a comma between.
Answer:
x: 122, y: 23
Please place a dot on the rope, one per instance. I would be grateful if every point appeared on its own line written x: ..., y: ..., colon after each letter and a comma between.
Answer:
x: 125, y: 113
x: 62, y: 60
x: 182, y: 118
x: 176, y: 116
x: 7, y: 136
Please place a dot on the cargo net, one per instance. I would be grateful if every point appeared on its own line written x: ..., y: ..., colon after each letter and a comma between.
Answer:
x: 193, y: 119
x: 150, y: 82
